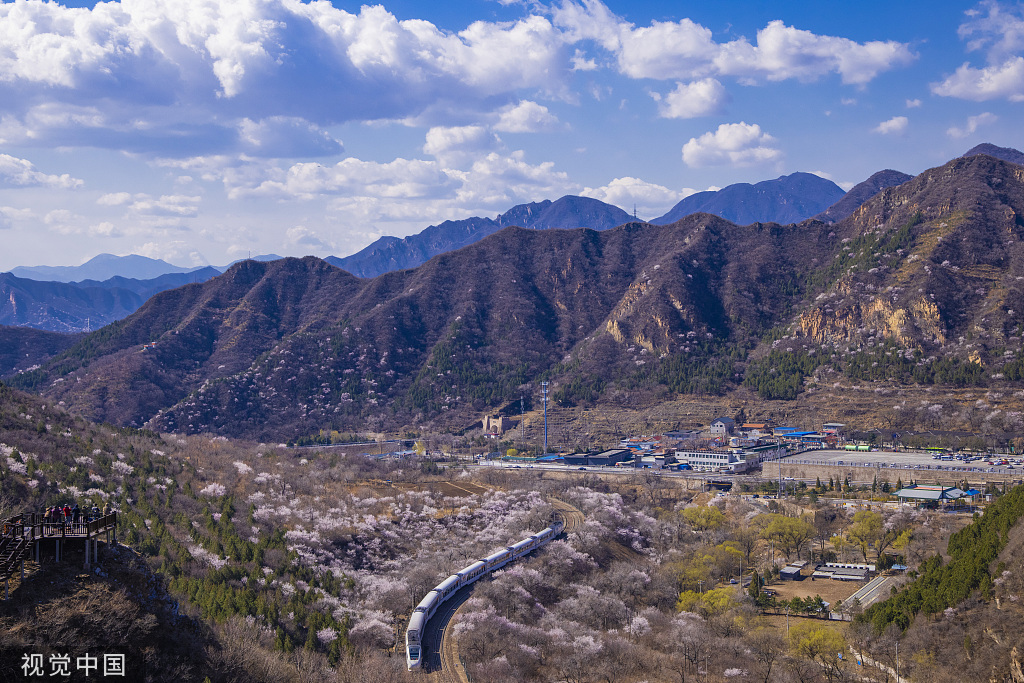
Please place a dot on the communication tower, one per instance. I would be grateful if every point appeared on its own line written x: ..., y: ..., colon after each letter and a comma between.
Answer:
x: 544, y: 393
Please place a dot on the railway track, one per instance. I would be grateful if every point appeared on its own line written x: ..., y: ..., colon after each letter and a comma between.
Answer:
x: 440, y: 648
x: 440, y: 645
x: 572, y: 517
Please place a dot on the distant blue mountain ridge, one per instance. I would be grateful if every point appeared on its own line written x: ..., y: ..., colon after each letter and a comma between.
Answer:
x: 71, y: 307
x: 393, y: 253
x: 787, y: 199
x: 102, y: 267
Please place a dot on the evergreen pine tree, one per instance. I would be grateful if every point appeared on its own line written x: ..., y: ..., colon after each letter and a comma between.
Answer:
x: 334, y: 653
x: 279, y: 639
x: 755, y: 585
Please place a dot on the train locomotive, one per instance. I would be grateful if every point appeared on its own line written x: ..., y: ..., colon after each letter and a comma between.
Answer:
x: 444, y: 590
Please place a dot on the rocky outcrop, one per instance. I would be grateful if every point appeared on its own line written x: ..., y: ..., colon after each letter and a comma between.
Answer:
x: 906, y: 325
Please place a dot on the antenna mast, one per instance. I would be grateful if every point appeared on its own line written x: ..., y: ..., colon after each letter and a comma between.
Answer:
x: 544, y: 391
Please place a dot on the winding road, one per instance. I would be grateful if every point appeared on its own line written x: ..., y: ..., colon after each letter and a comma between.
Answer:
x: 440, y: 648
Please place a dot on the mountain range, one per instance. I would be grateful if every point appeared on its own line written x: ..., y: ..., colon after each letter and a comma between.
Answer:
x: 108, y: 288
x: 82, y: 306
x: 101, y: 267
x: 392, y: 253
x: 919, y: 285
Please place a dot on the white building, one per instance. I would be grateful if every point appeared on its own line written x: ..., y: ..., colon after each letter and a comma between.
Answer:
x: 723, y: 426
x: 717, y: 460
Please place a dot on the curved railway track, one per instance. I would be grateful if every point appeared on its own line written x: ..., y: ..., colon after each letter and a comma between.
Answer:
x: 441, y: 649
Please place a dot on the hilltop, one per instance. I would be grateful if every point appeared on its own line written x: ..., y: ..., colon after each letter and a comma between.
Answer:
x: 787, y: 199
x: 860, y: 193
x: 1005, y: 153
x: 392, y: 253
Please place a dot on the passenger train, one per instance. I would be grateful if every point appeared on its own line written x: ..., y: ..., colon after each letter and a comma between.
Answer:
x: 444, y: 590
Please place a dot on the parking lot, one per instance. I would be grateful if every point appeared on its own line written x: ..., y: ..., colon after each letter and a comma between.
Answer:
x: 912, y: 460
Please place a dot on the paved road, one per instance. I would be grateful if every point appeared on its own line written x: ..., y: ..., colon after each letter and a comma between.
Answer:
x: 876, y: 590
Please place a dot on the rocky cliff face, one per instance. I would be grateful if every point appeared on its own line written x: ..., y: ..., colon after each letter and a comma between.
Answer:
x: 908, y: 325
x: 933, y: 264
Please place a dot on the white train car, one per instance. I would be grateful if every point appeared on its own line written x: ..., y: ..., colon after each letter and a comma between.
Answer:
x: 414, y: 640
x: 444, y: 590
x: 447, y: 587
x: 521, y: 548
x: 429, y: 604
x: 472, y: 573
x: 498, y: 559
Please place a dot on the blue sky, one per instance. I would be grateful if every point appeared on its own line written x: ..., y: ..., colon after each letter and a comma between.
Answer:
x: 201, y: 131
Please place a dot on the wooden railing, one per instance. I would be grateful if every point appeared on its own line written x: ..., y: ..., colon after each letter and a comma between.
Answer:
x: 32, y: 527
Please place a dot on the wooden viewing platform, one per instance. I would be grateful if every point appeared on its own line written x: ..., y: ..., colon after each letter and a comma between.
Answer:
x: 22, y: 535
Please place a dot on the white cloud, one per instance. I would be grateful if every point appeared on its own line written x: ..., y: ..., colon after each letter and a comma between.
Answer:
x: 913, y: 104
x: 999, y: 32
x: 525, y: 117
x: 114, y: 199
x: 104, y: 229
x: 581, y: 63
x: 1000, y: 81
x: 10, y: 216
x: 398, y: 179
x: 650, y: 199
x: 687, y: 101
x: 168, y: 206
x: 973, y: 122
x: 459, y: 145
x: 15, y: 172
x: 784, y: 52
x: 64, y: 221
x: 737, y: 144
x: 896, y: 124
x: 286, y: 136
x: 686, y: 50
x: 257, y: 76
x: 502, y: 181
x: 172, y: 251
x: 303, y: 237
